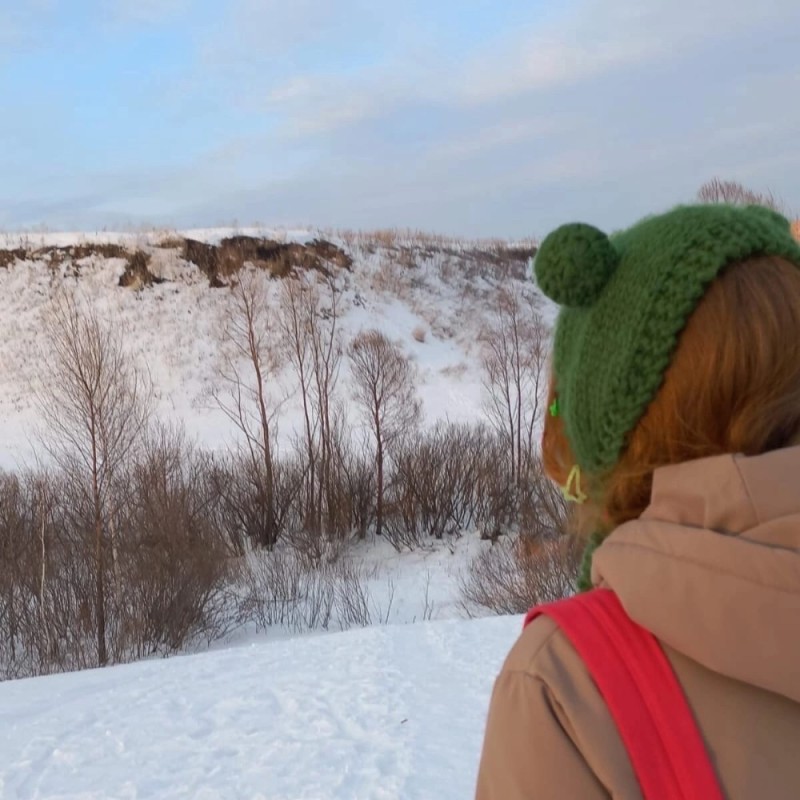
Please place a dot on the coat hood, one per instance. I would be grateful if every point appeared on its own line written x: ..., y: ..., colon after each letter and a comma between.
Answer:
x: 712, y: 567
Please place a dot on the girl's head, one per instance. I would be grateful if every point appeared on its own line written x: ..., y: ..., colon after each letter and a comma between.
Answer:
x: 682, y: 342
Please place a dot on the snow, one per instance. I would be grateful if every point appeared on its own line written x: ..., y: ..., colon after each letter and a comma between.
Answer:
x: 373, y: 714
x: 175, y: 327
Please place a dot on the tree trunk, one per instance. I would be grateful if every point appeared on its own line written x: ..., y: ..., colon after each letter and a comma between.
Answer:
x: 379, y: 508
x: 100, y: 586
x: 266, y: 445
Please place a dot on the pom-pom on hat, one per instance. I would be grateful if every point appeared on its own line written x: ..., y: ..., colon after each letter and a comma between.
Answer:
x: 625, y: 300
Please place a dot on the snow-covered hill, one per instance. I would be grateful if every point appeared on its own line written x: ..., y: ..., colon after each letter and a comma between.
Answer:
x: 392, y: 713
x: 429, y: 294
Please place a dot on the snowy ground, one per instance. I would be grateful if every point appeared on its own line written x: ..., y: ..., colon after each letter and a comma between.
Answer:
x: 392, y: 713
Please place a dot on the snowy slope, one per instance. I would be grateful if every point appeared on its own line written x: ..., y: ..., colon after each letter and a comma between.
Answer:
x: 392, y: 713
x: 175, y: 327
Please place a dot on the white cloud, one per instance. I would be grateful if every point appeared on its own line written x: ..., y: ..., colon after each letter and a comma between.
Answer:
x: 502, y: 134
x: 603, y: 115
x: 146, y: 12
x: 602, y: 35
x: 595, y: 38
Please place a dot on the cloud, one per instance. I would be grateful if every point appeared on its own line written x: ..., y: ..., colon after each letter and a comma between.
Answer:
x: 594, y: 39
x: 346, y: 113
x: 145, y: 12
x: 503, y: 134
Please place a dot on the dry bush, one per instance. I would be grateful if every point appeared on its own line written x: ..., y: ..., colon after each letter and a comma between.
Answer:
x: 355, y: 482
x: 173, y: 563
x: 386, y: 238
x: 733, y: 192
x: 432, y: 493
x: 496, y: 499
x: 455, y: 478
x: 167, y: 577
x: 544, y: 514
x: 349, y: 503
x: 355, y: 605
x: 387, y: 279
x: 219, y: 475
x: 512, y: 575
x: 39, y: 616
x: 281, y: 590
x: 258, y: 510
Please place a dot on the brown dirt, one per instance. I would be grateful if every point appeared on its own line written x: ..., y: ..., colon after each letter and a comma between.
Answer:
x: 77, y: 252
x: 278, y: 258
x: 8, y: 257
x: 137, y: 274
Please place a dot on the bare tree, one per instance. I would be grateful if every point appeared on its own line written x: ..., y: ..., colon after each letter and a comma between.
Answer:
x: 250, y: 363
x: 95, y: 404
x: 515, y: 350
x: 326, y: 350
x: 310, y: 333
x: 383, y: 380
x: 733, y: 192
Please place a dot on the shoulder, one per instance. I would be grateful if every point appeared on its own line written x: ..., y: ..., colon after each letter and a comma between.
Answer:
x: 541, y: 652
x: 537, y: 727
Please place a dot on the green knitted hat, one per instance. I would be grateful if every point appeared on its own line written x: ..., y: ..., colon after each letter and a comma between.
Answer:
x: 625, y: 300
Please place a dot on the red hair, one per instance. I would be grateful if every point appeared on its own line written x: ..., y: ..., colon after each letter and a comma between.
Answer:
x: 733, y: 386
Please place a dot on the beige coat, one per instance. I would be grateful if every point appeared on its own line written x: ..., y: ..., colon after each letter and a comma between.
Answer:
x: 712, y: 568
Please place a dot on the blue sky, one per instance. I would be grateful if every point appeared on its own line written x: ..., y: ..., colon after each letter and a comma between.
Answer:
x: 475, y: 118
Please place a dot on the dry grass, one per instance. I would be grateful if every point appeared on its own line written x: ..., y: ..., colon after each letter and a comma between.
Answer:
x: 171, y: 242
x: 396, y: 238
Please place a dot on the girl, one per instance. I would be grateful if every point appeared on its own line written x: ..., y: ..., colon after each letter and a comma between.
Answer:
x: 674, y: 425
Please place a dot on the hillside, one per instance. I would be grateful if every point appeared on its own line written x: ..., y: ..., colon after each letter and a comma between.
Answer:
x: 430, y: 294
x: 191, y: 452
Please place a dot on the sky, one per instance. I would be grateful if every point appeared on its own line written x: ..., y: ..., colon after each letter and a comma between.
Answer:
x: 467, y: 117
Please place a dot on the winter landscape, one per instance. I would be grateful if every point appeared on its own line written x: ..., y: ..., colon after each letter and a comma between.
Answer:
x: 247, y: 546
x: 274, y: 364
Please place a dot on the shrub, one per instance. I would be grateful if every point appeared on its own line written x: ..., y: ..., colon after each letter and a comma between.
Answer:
x: 512, y: 575
x: 281, y: 590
